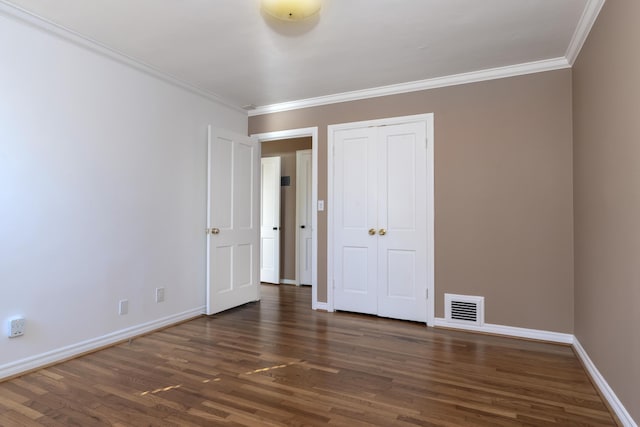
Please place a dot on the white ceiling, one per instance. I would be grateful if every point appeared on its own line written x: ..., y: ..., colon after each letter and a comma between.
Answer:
x: 229, y: 49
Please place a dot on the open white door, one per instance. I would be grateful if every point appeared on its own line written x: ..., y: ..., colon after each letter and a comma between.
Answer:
x: 270, y: 220
x: 233, y: 215
x: 304, y: 239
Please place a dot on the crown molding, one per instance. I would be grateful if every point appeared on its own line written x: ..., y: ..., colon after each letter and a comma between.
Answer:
x: 585, y: 24
x: 438, y: 82
x: 588, y: 18
x: 12, y: 11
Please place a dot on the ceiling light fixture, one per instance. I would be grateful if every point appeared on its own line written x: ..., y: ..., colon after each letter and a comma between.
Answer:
x: 291, y: 10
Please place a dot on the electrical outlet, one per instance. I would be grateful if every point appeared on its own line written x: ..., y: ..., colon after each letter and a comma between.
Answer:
x: 159, y: 294
x: 123, y: 307
x: 16, y: 327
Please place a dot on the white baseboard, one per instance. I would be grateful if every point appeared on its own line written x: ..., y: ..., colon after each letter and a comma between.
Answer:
x: 617, y: 406
x: 510, y: 331
x: 287, y: 282
x: 44, y: 359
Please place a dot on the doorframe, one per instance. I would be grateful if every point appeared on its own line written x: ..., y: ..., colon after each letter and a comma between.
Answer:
x: 301, y: 133
x: 428, y: 119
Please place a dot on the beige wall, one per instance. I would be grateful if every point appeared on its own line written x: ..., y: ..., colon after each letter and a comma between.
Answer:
x: 606, y: 97
x: 503, y: 190
x: 286, y: 149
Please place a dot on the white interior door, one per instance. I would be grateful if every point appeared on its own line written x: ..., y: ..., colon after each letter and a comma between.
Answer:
x: 304, y: 248
x: 232, y: 221
x: 270, y: 220
x: 355, y: 221
x: 380, y: 220
x: 402, y: 214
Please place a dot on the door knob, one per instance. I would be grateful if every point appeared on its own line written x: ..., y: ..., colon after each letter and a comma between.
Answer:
x: 275, y: 228
x: 372, y: 232
x: 302, y: 226
x: 382, y: 232
x: 215, y: 231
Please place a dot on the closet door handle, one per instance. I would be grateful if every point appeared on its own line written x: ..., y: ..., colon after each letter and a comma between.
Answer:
x: 382, y: 232
x: 372, y: 232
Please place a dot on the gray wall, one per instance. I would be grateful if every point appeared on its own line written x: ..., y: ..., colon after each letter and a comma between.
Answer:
x: 606, y: 98
x: 503, y: 190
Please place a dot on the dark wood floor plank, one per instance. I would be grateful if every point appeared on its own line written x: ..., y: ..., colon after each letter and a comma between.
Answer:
x: 278, y: 363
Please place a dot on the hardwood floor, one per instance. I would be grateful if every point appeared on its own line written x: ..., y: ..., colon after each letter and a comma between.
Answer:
x: 277, y: 362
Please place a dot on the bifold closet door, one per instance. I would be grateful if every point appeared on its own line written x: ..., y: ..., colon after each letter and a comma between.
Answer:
x: 402, y: 214
x: 355, y: 221
x: 380, y: 221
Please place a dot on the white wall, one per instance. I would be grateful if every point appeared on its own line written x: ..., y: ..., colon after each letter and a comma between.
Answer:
x: 102, y: 195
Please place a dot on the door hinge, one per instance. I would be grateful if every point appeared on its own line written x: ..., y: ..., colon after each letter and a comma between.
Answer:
x: 426, y: 143
x: 426, y: 293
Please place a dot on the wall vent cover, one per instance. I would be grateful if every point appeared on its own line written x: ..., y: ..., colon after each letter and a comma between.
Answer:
x: 464, y: 309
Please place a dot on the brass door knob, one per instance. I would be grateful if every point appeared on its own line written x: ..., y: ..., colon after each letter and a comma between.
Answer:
x: 215, y: 231
x: 372, y: 232
x: 382, y: 232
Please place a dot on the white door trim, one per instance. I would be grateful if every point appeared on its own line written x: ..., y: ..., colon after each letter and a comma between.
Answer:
x: 301, y: 133
x: 331, y: 129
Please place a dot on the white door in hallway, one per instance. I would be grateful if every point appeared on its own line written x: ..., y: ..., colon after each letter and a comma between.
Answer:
x: 233, y: 218
x: 304, y: 250
x: 270, y: 220
x: 380, y: 220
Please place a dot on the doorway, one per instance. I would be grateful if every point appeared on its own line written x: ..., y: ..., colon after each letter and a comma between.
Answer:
x: 280, y: 224
x: 289, y: 137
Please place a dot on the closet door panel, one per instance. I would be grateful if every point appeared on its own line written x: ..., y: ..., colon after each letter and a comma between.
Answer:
x: 402, y: 211
x: 355, y: 211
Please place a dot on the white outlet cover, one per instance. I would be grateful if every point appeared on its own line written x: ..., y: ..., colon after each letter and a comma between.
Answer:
x: 123, y: 307
x: 159, y: 294
x: 16, y: 327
